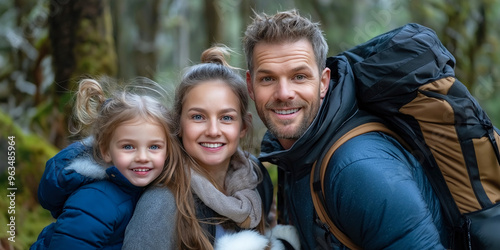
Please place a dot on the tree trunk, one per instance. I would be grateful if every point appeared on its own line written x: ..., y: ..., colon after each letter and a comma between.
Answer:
x: 82, y: 45
x: 121, y: 28
x: 212, y: 18
x: 145, y: 49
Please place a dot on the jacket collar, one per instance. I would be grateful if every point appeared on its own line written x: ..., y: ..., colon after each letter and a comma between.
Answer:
x: 114, y: 175
x: 87, y: 166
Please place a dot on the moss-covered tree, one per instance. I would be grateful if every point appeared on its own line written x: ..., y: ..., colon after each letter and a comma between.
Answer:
x: 30, y: 153
x: 82, y: 44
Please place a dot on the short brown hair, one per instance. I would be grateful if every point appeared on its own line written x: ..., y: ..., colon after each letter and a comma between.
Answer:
x: 287, y: 26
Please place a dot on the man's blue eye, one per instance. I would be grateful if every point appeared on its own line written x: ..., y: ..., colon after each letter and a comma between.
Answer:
x: 300, y: 77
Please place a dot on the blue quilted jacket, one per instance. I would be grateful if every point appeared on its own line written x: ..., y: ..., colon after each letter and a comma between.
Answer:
x: 376, y: 191
x: 92, y: 205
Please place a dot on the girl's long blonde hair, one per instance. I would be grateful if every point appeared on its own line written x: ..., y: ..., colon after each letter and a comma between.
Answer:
x: 213, y: 66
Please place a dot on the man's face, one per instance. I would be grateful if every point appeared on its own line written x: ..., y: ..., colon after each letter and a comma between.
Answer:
x: 286, y: 87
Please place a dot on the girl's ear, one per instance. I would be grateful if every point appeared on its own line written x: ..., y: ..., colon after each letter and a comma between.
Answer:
x: 180, y: 131
x: 245, y: 127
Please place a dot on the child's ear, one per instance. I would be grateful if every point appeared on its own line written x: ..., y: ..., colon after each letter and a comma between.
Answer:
x: 106, y: 156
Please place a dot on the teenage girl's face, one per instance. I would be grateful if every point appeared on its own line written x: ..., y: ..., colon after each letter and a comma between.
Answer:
x: 138, y: 149
x: 211, y: 125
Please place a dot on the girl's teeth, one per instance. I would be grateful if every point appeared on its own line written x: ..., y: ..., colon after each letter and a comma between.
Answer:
x: 141, y: 170
x: 211, y: 145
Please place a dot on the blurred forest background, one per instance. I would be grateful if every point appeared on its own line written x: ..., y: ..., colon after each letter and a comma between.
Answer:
x: 47, y: 45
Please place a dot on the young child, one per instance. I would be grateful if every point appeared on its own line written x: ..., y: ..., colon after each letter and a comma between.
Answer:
x: 131, y: 136
x: 220, y: 206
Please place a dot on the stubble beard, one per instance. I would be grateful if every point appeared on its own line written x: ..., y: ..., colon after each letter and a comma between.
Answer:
x: 276, y: 128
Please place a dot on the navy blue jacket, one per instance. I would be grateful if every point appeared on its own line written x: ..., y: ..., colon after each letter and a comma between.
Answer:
x: 92, y: 205
x: 71, y: 176
x: 376, y: 191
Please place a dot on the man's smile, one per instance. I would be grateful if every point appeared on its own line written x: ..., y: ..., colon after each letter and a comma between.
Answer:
x: 285, y: 111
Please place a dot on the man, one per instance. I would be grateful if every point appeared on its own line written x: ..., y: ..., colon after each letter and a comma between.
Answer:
x: 376, y: 191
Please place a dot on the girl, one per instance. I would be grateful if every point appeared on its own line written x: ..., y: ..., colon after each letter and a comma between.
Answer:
x: 220, y: 199
x: 131, y: 136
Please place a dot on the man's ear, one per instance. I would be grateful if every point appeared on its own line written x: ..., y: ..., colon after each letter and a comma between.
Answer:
x: 325, y: 82
x: 250, y: 85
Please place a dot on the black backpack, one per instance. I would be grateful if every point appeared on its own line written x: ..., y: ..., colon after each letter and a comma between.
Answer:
x: 406, y: 77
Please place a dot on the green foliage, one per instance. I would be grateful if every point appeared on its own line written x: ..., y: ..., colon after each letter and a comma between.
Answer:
x: 29, y: 221
x: 31, y: 153
x: 469, y: 29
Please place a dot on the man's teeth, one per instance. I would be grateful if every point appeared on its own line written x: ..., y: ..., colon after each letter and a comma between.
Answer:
x: 285, y: 112
x: 141, y: 169
x: 211, y: 145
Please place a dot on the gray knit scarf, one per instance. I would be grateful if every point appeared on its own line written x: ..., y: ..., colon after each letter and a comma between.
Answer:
x: 243, y: 204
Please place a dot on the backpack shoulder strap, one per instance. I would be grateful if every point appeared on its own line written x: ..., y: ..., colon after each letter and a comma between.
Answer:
x: 318, y: 176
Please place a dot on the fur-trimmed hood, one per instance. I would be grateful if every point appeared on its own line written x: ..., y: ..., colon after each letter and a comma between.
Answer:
x: 88, y: 167
x: 64, y: 173
x: 85, y: 197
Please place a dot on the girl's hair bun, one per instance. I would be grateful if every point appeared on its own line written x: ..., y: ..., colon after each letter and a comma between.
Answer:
x: 217, y: 54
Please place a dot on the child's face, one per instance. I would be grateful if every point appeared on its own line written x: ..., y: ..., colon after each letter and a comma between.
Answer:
x: 211, y: 125
x: 138, y: 149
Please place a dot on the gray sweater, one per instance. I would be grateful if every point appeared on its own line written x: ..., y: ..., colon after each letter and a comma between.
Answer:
x: 153, y: 223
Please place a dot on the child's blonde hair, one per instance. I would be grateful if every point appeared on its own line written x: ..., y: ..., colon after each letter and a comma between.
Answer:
x: 100, y: 107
